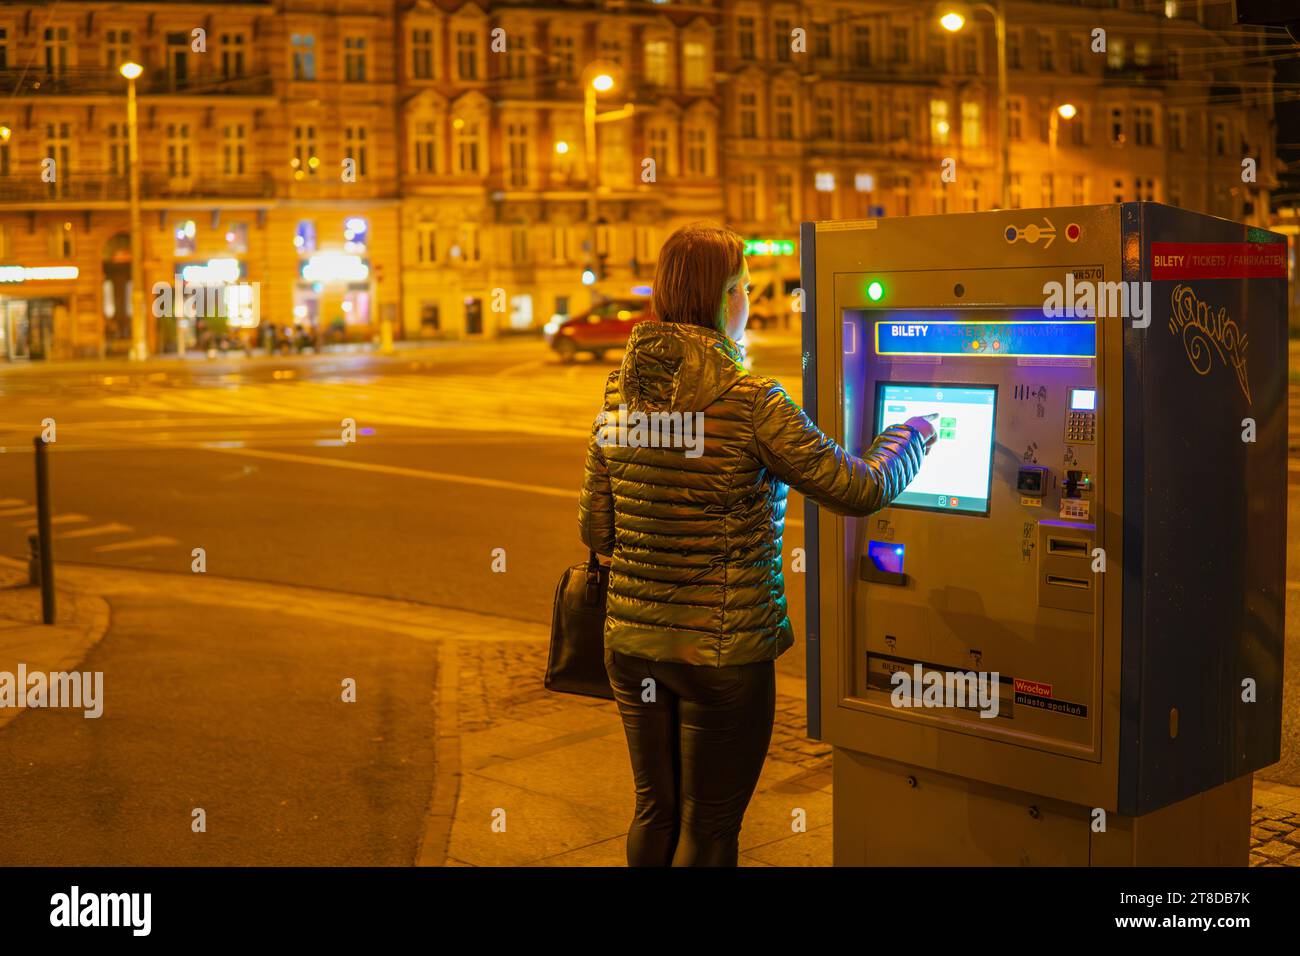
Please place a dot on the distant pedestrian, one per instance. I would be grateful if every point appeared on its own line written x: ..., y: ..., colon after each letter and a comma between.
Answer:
x: 696, y: 603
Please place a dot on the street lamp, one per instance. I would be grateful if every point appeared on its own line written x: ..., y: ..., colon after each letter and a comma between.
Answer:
x: 953, y: 16
x: 598, y: 77
x: 139, y: 343
x: 1066, y: 111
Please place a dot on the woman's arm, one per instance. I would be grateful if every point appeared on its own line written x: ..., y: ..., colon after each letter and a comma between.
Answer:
x: 596, y: 505
x: 798, y: 453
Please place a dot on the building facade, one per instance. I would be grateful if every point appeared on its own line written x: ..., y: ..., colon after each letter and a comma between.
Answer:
x: 426, y: 163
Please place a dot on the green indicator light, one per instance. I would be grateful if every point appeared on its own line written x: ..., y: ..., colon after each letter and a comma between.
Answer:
x: 875, y: 292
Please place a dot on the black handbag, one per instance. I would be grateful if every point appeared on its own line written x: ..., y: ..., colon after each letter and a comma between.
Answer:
x: 577, y: 661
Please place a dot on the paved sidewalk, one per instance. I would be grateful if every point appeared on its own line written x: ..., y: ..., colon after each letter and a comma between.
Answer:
x: 81, y: 621
x: 534, y: 778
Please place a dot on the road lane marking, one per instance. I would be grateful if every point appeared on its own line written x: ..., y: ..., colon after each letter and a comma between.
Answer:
x: 10, y: 502
x: 57, y: 519
x: 157, y: 541
x: 113, y: 528
x: 11, y: 512
x: 570, y: 493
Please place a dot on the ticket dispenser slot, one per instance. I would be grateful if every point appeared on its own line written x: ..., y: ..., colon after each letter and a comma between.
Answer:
x: 1065, y: 575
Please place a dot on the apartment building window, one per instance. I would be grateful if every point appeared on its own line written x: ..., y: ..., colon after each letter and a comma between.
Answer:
x: 1177, y: 130
x: 1049, y: 189
x: 660, y: 149
x: 304, y: 237
x: 232, y: 55
x: 748, y: 115
x: 656, y: 62
x: 178, y: 150
x: 864, y: 121
x: 939, y: 125
x: 1174, y: 194
x: 864, y: 182
x: 517, y: 154
x: 1016, y: 119
x: 62, y: 240
x: 822, y: 41
x: 4, y: 242
x: 563, y: 50
x: 305, y: 161
x: 903, y: 123
x: 611, y: 50
x: 937, y: 54
x: 426, y: 242
x: 519, y: 251
x: 1220, y: 137
x: 232, y: 149
x: 178, y: 59
x: 1117, y: 136
x: 1144, y: 190
x: 466, y: 55
x: 56, y: 50
x: 118, y: 156
x: 1078, y: 53
x: 58, y: 147
x: 940, y: 196
x: 1046, y: 111
x: 643, y: 243
x: 973, y: 194
x: 697, y: 151
x: 1079, y: 189
x: 824, y: 117
x: 425, y: 143
x: 304, y: 56
x: 466, y: 145
x: 970, y: 59
x: 468, y: 244
x: 1115, y: 53
x: 237, y: 237
x: 1142, y: 53
x: 1016, y: 191
x: 4, y: 49
x: 1078, y: 125
x: 117, y: 48
x: 1119, y: 190
x: 1046, y: 52
x: 862, y: 46
x: 562, y: 251
x: 902, y: 196
x: 784, y: 115
x: 422, y: 54
x: 902, y: 45
x: 782, y: 40
x: 517, y: 57
x: 745, y: 37
x: 1014, y: 42
x: 824, y: 181
x: 1144, y: 125
x: 354, y: 59
x: 748, y: 197
x: 696, y: 63
x: 971, y: 123
x: 354, y: 147
x: 785, y: 210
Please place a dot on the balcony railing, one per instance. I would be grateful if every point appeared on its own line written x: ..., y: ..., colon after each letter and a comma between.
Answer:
x: 102, y: 81
x: 102, y: 188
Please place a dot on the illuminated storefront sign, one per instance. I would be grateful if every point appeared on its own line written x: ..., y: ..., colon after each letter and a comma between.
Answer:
x: 215, y: 272
x: 335, y: 267
x: 769, y: 247
x: 26, y: 274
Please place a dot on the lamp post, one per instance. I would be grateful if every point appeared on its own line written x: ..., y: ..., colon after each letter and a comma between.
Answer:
x: 139, y: 342
x: 596, y: 78
x: 1066, y: 111
x: 952, y: 17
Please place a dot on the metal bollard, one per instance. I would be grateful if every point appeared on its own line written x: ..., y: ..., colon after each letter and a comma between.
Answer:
x: 33, y: 561
x: 45, y: 535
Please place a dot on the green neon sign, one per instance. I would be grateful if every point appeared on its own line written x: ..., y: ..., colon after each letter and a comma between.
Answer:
x: 769, y: 247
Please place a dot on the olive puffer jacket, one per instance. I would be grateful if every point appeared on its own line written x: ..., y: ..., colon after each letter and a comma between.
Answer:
x: 695, y: 530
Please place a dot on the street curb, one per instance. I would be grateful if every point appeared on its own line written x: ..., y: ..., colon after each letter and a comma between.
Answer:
x: 441, y: 815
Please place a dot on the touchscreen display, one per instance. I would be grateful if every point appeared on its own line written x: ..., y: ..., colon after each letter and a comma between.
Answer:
x: 957, y: 474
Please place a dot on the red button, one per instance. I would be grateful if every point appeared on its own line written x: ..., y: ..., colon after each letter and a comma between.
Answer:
x: 1072, y: 232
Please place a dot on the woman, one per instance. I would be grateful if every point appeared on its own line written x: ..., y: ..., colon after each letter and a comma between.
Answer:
x: 696, y: 612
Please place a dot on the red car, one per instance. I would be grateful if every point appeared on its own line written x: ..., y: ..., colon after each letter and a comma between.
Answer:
x: 601, y: 328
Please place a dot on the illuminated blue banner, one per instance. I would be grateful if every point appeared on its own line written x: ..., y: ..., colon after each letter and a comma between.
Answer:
x: 988, y: 339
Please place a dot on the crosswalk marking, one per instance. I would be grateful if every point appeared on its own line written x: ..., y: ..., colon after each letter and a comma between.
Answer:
x: 157, y: 541
x: 57, y: 519
x: 103, y: 529
x: 11, y: 512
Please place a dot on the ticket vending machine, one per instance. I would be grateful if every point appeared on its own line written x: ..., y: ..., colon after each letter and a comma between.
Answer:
x: 1062, y: 644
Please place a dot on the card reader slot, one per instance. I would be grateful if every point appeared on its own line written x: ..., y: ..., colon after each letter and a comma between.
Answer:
x: 1069, y: 547
x: 1061, y: 581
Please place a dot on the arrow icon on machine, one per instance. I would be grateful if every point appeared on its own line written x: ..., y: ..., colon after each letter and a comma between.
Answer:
x: 1033, y: 232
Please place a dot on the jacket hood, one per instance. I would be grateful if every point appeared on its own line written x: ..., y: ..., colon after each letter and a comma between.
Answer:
x: 670, y: 366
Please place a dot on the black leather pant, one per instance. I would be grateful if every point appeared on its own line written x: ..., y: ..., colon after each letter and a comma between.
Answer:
x: 697, y: 750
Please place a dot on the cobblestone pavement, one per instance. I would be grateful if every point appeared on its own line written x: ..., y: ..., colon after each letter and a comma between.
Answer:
x: 502, y: 680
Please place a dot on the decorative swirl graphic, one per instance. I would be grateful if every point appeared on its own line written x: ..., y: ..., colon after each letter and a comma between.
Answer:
x: 1201, y: 328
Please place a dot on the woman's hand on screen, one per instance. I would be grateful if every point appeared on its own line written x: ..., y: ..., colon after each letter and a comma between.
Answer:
x: 924, y: 424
